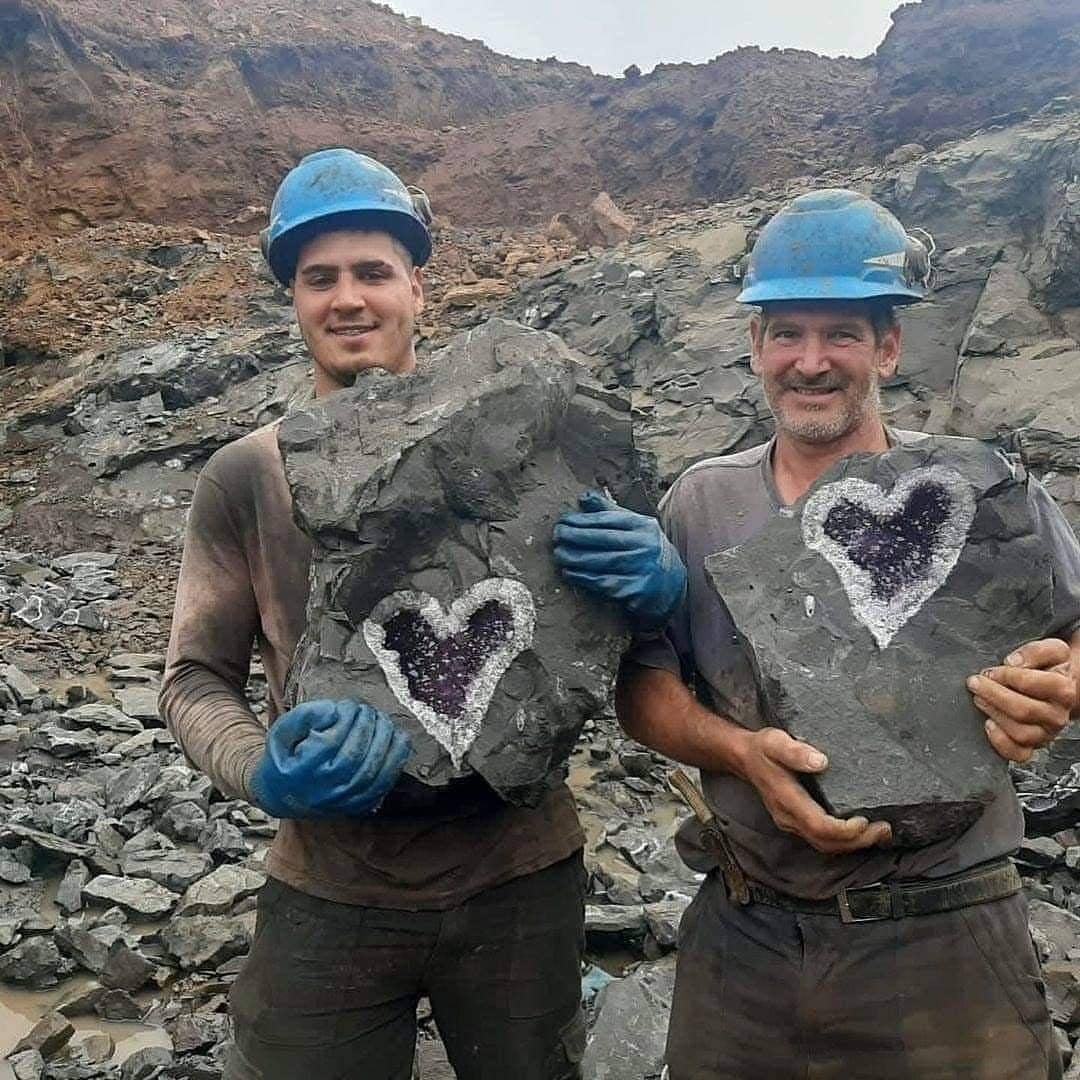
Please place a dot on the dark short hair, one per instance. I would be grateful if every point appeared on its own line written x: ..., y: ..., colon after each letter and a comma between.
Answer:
x: 880, y: 312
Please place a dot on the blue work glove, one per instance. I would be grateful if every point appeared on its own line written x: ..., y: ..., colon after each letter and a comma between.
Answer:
x: 623, y: 556
x: 329, y: 759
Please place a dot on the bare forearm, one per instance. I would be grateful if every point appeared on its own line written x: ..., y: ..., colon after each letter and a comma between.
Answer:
x: 1074, y: 648
x: 657, y: 708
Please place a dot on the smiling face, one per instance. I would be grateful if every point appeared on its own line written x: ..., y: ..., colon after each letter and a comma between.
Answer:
x: 356, y: 296
x: 820, y: 366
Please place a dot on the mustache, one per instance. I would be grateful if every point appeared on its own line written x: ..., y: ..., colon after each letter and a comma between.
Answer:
x: 823, y: 382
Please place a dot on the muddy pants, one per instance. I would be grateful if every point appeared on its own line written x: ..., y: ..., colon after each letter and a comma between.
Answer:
x: 329, y: 991
x: 765, y: 993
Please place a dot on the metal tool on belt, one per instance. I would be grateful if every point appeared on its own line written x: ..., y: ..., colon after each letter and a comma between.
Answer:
x: 994, y: 880
x: 737, y: 886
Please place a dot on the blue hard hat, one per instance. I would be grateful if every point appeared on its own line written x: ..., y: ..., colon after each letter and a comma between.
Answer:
x: 341, y: 189
x: 836, y: 244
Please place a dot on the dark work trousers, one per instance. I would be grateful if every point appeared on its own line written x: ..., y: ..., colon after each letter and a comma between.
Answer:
x: 766, y: 994
x: 329, y: 991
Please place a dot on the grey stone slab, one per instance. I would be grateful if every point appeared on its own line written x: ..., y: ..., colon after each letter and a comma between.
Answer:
x: 865, y: 607
x: 21, y: 686
x: 128, y: 787
x: 220, y: 890
x: 139, y: 703
x: 48, y: 1036
x: 176, y: 869
x: 126, y: 969
x: 35, y: 963
x: 62, y: 742
x: 85, y: 948
x: 663, y: 920
x: 432, y: 499
x: 103, y: 717
x: 69, y: 891
x: 630, y: 1032
x: 146, y: 1063
x: 183, y: 821
x: 204, y: 941
x: 27, y: 1065
x: 1056, y: 932
x: 138, y: 895
x: 52, y: 845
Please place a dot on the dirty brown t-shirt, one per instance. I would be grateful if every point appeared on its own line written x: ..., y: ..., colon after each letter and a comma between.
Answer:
x: 719, y: 504
x: 244, y: 578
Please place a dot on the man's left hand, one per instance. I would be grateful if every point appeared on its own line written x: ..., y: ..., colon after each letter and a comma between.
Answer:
x: 622, y: 556
x: 1028, y: 700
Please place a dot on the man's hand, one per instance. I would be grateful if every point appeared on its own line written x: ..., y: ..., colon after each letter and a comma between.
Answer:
x: 622, y: 556
x: 769, y: 760
x: 329, y: 759
x: 1028, y: 699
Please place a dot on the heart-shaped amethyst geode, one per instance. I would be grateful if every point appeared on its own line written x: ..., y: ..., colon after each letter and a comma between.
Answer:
x: 892, y: 551
x: 444, y: 666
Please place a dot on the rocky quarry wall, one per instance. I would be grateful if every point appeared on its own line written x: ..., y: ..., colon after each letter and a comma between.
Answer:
x: 132, y: 350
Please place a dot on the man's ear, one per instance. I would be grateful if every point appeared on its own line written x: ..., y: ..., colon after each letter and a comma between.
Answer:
x: 889, y: 351
x: 418, y: 290
x: 756, y: 331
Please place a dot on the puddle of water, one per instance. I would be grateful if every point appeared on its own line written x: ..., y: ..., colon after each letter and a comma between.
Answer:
x: 21, y: 1009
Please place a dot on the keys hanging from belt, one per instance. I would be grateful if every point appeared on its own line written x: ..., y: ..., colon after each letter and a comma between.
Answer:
x: 734, y: 878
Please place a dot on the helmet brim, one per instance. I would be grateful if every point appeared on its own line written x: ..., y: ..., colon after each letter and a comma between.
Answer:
x: 285, y: 251
x: 836, y: 288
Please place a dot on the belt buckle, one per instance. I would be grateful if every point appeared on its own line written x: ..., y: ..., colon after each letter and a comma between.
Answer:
x: 844, y: 904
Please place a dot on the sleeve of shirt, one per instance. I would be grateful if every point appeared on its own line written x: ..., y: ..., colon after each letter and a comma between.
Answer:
x: 668, y: 649
x: 214, y: 624
x: 1057, y: 534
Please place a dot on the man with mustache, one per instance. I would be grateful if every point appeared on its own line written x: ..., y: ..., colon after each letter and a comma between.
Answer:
x: 783, y: 986
x: 381, y: 890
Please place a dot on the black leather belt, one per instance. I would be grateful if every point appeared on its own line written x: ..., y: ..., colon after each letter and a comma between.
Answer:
x: 901, y: 899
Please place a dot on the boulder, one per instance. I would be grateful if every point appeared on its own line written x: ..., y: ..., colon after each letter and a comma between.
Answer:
x: 204, y: 941
x: 431, y: 501
x: 35, y: 963
x: 126, y: 969
x: 865, y: 608
x: 609, y: 224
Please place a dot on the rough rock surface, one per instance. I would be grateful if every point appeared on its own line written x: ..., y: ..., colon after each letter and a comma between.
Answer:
x: 628, y: 1040
x: 865, y: 608
x: 431, y: 500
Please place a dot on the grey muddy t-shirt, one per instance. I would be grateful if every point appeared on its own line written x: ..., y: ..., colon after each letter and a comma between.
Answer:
x: 719, y: 504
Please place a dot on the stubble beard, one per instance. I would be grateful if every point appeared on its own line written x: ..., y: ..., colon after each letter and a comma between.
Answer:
x: 829, y: 426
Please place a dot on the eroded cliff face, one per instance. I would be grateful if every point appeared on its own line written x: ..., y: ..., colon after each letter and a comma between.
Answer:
x: 949, y: 66
x: 189, y: 111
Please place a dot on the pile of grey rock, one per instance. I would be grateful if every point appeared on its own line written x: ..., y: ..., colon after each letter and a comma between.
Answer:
x: 71, y: 590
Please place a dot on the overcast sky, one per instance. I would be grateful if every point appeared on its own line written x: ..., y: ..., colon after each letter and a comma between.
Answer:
x: 609, y: 35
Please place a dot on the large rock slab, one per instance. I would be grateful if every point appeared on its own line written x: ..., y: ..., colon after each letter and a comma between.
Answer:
x: 140, y: 896
x: 431, y: 499
x: 865, y: 607
x: 630, y: 1033
x: 221, y: 890
x: 203, y: 941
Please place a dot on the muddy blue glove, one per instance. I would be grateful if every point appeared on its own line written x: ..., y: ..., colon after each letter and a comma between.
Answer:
x: 329, y: 759
x: 622, y: 556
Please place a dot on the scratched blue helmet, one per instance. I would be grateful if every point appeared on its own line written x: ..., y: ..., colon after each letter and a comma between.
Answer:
x: 836, y: 244
x: 341, y: 189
